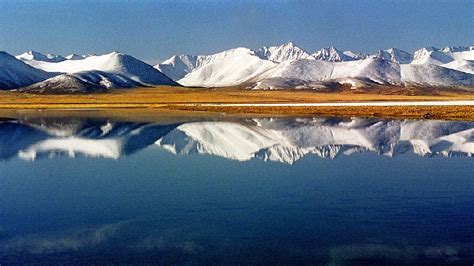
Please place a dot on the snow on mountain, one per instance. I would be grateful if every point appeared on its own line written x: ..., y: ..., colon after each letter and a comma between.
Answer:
x: 231, y: 67
x: 288, y: 65
x: 279, y: 140
x: 32, y: 55
x: 375, y: 70
x: 395, y: 55
x: 241, y: 65
x: 313, y: 70
x: 464, y: 55
x: 456, y: 49
x: 118, y: 64
x: 431, y: 55
x: 86, y: 81
x: 62, y: 83
x: 355, y: 56
x: 430, y: 74
x: 462, y: 65
x: 457, y: 58
x: 75, y: 57
x: 14, y: 73
x: 284, y: 52
x: 281, y: 66
x: 244, y: 67
x: 331, y: 54
x: 179, y: 66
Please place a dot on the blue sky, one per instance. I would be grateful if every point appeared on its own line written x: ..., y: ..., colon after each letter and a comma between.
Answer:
x: 155, y: 30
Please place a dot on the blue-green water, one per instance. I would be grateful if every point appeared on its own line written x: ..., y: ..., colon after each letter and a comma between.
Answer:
x: 130, y: 193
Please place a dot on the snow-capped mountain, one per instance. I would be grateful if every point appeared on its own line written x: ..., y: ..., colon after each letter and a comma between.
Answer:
x: 456, y: 49
x: 279, y: 140
x: 434, y: 75
x: 86, y: 81
x: 113, y: 70
x: 375, y: 70
x: 355, y: 56
x: 284, y: 66
x: 395, y: 55
x: 231, y: 67
x: 462, y: 65
x: 245, y: 66
x: 363, y: 73
x: 75, y: 57
x: 457, y: 58
x: 14, y: 73
x: 331, y: 54
x: 431, y: 55
x: 178, y: 66
x: 33, y: 55
x: 284, y: 52
x: 287, y: 65
x: 446, y: 55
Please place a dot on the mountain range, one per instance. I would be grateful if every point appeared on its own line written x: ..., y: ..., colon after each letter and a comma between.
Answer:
x: 35, y: 72
x: 284, y: 66
x: 278, y: 140
x: 276, y: 67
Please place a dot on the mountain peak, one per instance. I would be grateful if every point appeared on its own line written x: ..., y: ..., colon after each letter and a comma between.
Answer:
x: 331, y: 54
x: 354, y: 55
x: 283, y: 52
x: 114, y: 53
x: 431, y: 55
x: 395, y: 55
x: 75, y: 57
x: 289, y: 44
x: 33, y: 55
x: 453, y: 49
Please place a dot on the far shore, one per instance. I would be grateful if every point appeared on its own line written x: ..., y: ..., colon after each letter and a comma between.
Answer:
x: 147, y: 103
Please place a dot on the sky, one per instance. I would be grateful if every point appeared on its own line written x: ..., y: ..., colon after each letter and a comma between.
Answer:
x: 155, y: 30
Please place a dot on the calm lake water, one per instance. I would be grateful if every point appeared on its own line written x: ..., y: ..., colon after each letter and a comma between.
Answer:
x: 250, y: 191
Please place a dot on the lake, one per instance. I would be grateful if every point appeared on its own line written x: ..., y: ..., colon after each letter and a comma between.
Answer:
x: 331, y: 191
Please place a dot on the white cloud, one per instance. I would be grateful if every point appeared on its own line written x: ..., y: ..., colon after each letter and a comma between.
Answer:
x: 403, y: 254
x: 61, y: 241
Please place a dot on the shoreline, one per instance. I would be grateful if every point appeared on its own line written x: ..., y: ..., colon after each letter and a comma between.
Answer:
x: 218, y: 111
x: 148, y: 103
x: 337, y: 104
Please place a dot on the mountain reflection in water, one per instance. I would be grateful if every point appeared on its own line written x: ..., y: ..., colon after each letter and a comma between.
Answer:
x: 280, y: 140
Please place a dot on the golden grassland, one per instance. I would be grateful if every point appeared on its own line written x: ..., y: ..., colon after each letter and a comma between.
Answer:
x: 148, y: 102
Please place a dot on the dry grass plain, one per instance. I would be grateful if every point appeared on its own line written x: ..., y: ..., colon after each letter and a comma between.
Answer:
x: 177, y: 101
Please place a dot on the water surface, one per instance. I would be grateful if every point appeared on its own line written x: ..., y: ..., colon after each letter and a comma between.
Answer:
x: 251, y: 191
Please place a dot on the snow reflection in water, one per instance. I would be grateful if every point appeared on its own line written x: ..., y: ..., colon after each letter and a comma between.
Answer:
x: 281, y: 140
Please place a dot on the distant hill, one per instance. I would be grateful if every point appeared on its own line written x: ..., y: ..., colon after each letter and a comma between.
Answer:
x: 14, y: 73
x: 76, y: 73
